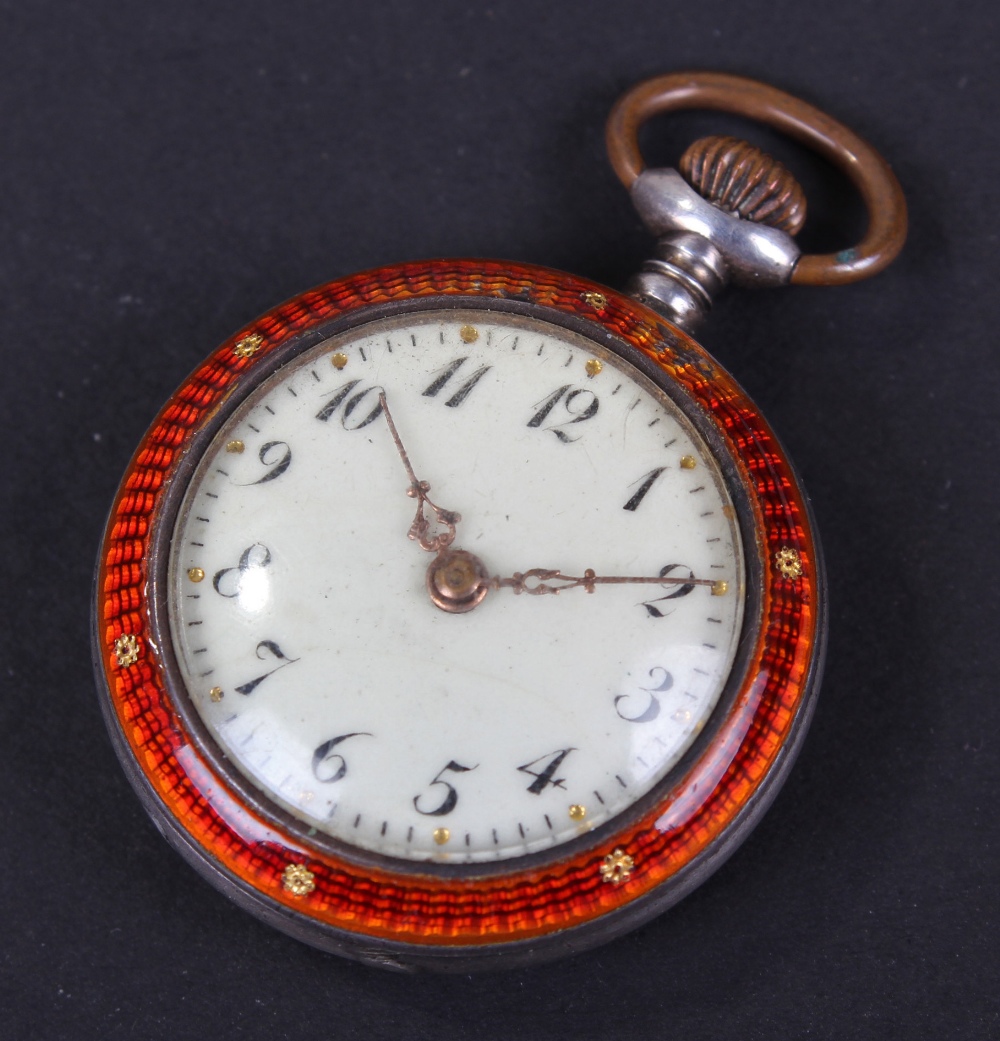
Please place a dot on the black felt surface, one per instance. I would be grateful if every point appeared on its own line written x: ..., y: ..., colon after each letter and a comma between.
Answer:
x: 169, y: 171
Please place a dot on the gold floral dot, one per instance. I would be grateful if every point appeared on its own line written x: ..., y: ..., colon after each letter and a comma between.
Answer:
x: 617, y: 867
x: 720, y: 587
x: 788, y: 562
x: 688, y: 462
x: 577, y: 812
x: 235, y: 447
x: 598, y: 301
x: 126, y: 650
x: 248, y: 345
x: 338, y: 360
x: 593, y: 367
x: 196, y: 574
x: 441, y: 836
x: 469, y: 333
x: 216, y: 694
x: 298, y: 880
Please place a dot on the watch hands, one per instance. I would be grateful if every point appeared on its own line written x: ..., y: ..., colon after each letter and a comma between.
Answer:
x: 536, y: 581
x: 420, y: 529
x: 457, y: 580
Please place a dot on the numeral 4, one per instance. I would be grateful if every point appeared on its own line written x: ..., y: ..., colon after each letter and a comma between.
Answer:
x: 543, y: 778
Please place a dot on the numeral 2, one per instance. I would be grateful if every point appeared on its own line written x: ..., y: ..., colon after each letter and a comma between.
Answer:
x: 683, y: 590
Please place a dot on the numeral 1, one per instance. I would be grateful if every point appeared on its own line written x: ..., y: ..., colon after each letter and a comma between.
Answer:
x: 648, y: 480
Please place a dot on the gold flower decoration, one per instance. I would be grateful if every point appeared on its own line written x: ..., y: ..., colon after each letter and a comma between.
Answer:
x: 127, y: 650
x: 248, y: 345
x: 617, y: 867
x: 788, y: 562
x: 298, y: 880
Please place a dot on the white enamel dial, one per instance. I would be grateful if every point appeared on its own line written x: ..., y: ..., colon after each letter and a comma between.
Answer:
x: 313, y: 653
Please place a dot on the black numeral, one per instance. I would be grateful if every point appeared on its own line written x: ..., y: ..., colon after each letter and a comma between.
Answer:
x: 231, y: 578
x: 355, y: 398
x: 664, y: 681
x: 271, y: 650
x: 581, y: 405
x: 328, y: 766
x: 443, y: 376
x: 547, y: 776
x: 680, y: 591
x: 648, y: 480
x: 450, y: 800
x: 277, y: 457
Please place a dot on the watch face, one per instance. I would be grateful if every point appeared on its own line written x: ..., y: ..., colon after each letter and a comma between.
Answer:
x: 316, y: 643
x: 458, y: 614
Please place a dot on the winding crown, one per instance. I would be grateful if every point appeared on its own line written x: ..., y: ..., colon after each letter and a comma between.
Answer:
x: 740, y: 178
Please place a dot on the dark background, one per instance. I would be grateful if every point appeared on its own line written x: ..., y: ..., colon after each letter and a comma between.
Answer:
x: 170, y: 170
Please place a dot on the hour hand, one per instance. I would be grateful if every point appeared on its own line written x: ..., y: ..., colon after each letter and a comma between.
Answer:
x: 420, y: 529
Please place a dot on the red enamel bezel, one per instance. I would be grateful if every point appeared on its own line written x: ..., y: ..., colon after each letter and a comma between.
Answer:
x: 688, y: 821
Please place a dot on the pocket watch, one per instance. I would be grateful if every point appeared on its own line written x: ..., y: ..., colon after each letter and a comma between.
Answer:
x: 463, y: 614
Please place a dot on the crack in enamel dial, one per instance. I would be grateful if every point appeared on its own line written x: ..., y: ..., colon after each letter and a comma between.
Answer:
x: 330, y: 678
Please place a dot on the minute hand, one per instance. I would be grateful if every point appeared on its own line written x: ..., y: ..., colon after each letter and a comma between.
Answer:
x: 536, y: 582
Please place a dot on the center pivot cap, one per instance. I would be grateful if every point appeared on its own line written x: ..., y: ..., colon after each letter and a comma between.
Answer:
x: 457, y: 581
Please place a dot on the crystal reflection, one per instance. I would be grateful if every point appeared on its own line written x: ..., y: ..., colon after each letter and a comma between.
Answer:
x: 248, y: 583
x: 667, y: 707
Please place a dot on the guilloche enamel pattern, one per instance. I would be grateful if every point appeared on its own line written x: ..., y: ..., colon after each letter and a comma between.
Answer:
x: 465, y: 614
